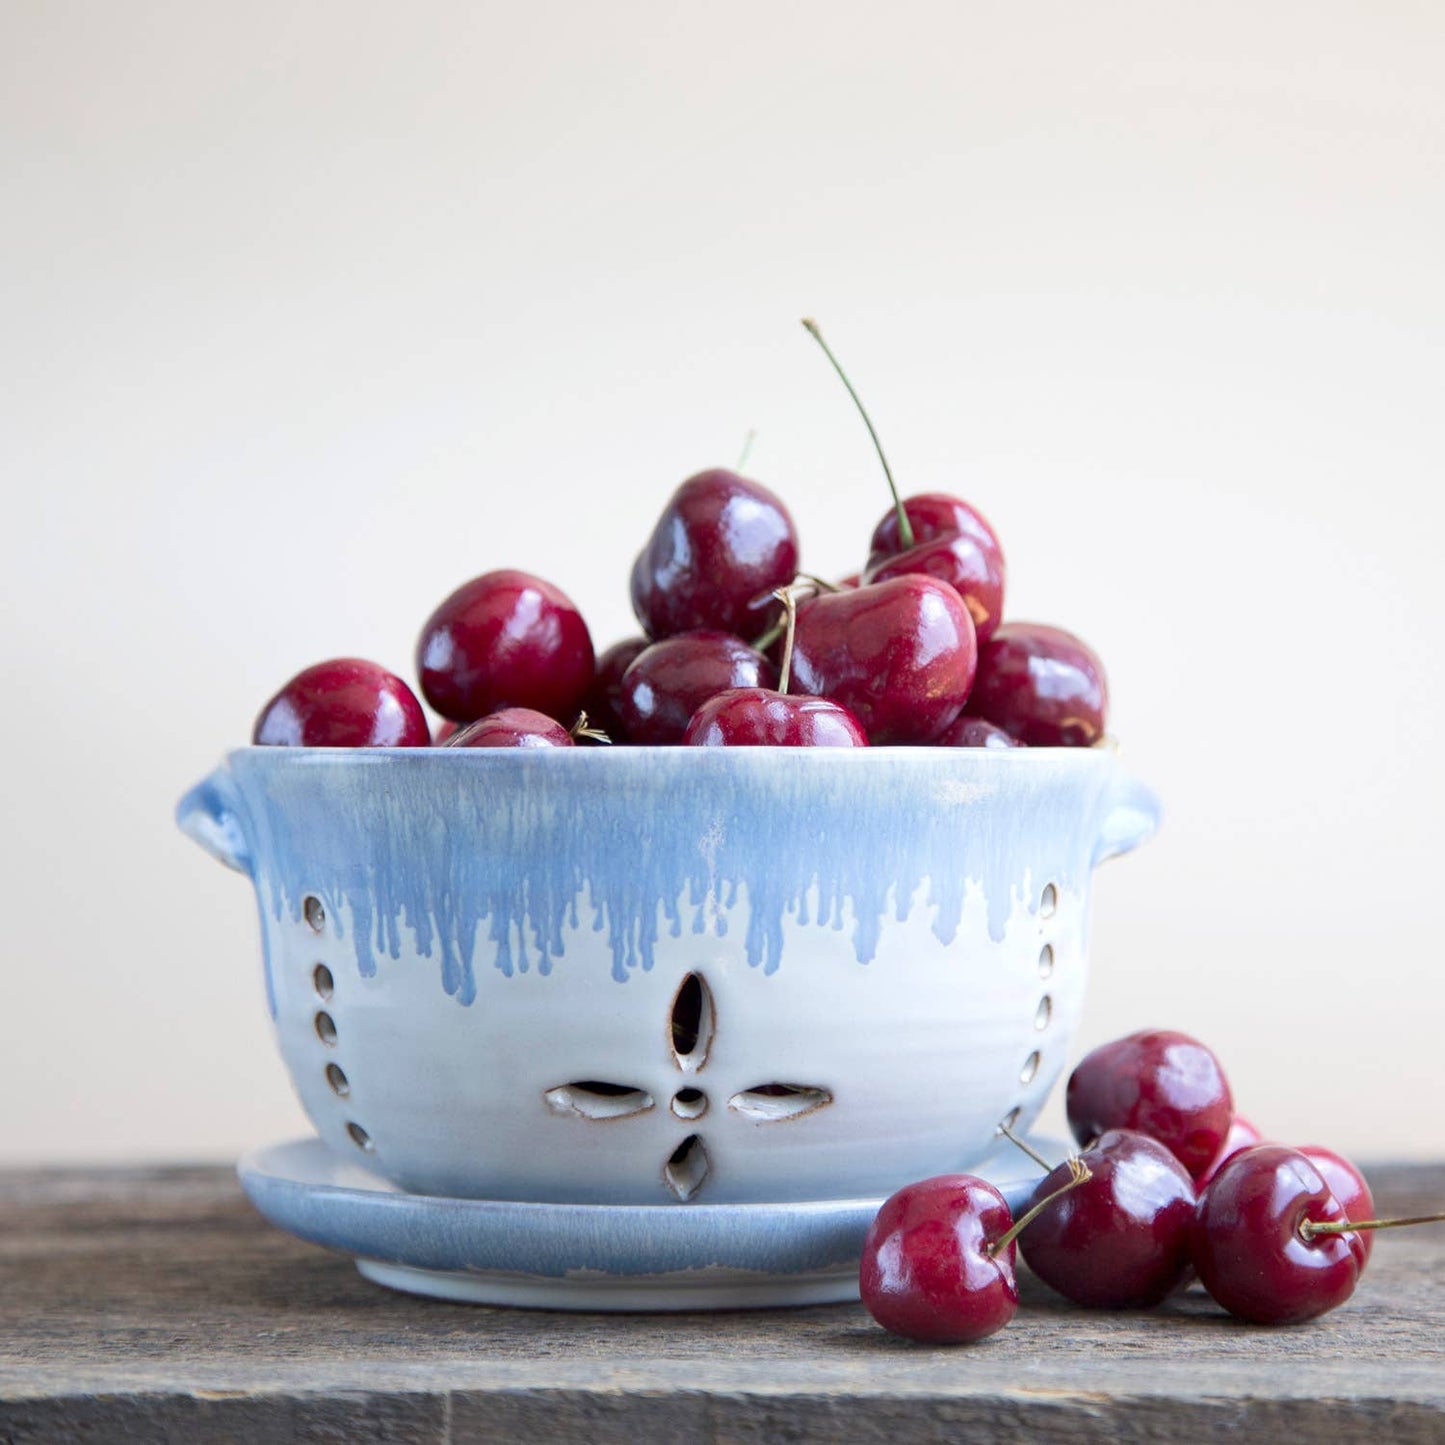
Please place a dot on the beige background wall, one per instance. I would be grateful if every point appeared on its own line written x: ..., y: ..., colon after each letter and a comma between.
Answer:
x: 308, y: 313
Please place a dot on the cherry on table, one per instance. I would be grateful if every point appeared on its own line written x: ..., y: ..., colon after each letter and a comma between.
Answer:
x: 1160, y: 1082
x: 1120, y: 1240
x: 667, y: 683
x: 1043, y: 685
x: 900, y: 655
x: 1348, y: 1185
x: 974, y: 732
x: 346, y: 702
x: 720, y: 548
x: 512, y: 727
x: 505, y: 639
x: 1253, y: 1245
x: 1242, y: 1135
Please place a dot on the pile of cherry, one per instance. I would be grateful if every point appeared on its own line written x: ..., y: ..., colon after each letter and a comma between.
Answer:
x: 1170, y: 1183
x: 738, y: 648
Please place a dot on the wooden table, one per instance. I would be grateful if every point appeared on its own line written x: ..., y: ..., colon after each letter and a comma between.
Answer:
x: 155, y: 1305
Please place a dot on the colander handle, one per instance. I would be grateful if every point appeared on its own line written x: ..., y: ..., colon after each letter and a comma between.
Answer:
x: 211, y: 814
x: 1131, y: 817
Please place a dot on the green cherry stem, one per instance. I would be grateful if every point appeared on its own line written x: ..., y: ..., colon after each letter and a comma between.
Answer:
x: 905, y: 527
x: 747, y: 450
x: 1079, y: 1173
x: 1308, y: 1228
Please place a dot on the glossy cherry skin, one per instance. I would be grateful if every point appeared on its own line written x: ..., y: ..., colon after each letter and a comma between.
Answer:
x: 603, y: 703
x: 1242, y: 1135
x: 1042, y: 685
x: 505, y: 639
x: 670, y: 680
x: 344, y: 703
x: 900, y: 655
x: 926, y: 1270
x: 1247, y: 1246
x: 1164, y: 1084
x: 951, y: 541
x: 720, y: 548
x: 761, y: 718
x: 1348, y: 1185
x: 974, y: 732
x: 1120, y: 1240
x: 512, y: 727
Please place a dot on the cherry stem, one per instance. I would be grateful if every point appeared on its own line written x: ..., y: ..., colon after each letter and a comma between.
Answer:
x: 1308, y: 1228
x: 769, y: 637
x: 905, y: 527
x: 1079, y: 1173
x: 788, y: 596
x: 748, y: 441
x: 1028, y: 1149
x: 579, y: 729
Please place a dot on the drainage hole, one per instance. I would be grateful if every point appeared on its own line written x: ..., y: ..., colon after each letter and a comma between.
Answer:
x: 321, y: 977
x: 340, y: 1084
x: 1045, y: 1013
x: 315, y: 913
x: 360, y: 1137
x: 1030, y: 1068
x: 325, y: 1028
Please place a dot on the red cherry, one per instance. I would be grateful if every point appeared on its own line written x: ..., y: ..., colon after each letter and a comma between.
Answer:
x: 952, y: 542
x: 928, y: 1271
x: 1121, y: 1239
x: 603, y: 703
x: 1251, y: 1243
x: 759, y: 717
x: 974, y: 732
x: 1348, y: 1185
x: 344, y: 703
x: 900, y: 655
x: 721, y: 544
x: 1242, y: 1135
x: 1041, y: 684
x: 505, y: 639
x: 669, y: 681
x: 513, y: 727
x: 1163, y: 1084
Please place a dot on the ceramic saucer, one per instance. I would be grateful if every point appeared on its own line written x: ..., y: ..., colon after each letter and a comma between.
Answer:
x: 581, y: 1256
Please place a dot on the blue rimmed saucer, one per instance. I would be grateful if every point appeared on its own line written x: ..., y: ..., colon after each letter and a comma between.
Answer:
x: 581, y: 1256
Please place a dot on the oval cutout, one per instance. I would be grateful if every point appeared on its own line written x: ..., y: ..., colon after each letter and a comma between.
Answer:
x: 592, y: 1099
x: 691, y: 1022
x: 770, y: 1103
x: 688, y: 1166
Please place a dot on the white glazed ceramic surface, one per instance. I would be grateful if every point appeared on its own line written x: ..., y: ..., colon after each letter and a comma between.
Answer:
x: 663, y: 976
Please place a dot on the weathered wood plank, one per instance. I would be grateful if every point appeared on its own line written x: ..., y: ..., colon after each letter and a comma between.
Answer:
x: 155, y: 1305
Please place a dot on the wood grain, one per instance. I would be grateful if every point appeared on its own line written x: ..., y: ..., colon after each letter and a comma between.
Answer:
x: 155, y: 1305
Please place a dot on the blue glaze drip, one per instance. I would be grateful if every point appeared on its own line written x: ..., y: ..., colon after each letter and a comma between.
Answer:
x: 503, y: 853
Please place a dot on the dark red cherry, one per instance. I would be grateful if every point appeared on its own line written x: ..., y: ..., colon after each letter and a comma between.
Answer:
x: 344, y: 703
x: 952, y: 542
x: 512, y: 727
x: 1242, y: 1135
x: 1163, y: 1084
x: 1121, y: 1239
x: 927, y: 1270
x: 719, y: 549
x: 670, y: 680
x: 1041, y: 684
x: 505, y: 639
x: 1348, y: 1185
x: 759, y: 717
x: 900, y: 655
x: 974, y: 732
x: 1252, y: 1246
x: 603, y: 703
